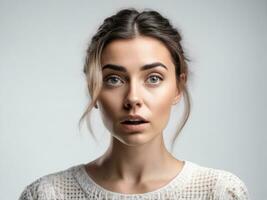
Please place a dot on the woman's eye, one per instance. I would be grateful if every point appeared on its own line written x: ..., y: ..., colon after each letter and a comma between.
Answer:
x: 154, y: 79
x: 113, y: 81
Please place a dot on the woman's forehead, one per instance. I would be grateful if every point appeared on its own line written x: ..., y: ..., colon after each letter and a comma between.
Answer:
x: 140, y: 50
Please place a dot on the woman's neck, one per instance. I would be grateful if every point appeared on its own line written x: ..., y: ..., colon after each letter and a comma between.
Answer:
x: 138, y: 163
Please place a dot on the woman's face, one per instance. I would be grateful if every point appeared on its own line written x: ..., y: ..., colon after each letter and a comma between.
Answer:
x: 138, y: 82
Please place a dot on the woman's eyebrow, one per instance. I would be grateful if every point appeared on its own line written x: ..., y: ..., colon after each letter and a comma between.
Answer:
x: 144, y: 67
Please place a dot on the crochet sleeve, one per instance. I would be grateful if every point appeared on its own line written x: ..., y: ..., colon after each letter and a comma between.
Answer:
x: 40, y: 189
x: 26, y: 194
x: 231, y: 187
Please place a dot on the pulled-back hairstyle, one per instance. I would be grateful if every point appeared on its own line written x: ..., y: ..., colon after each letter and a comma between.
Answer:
x: 128, y: 24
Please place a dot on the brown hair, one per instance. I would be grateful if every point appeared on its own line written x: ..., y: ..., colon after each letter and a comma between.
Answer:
x: 127, y: 24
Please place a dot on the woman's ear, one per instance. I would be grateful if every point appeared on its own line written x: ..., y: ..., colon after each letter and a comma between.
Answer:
x: 96, y: 106
x: 178, y: 92
x: 177, y: 97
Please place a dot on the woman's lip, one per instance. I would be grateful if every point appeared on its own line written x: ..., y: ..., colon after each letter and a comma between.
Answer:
x: 133, y: 117
x: 135, y: 127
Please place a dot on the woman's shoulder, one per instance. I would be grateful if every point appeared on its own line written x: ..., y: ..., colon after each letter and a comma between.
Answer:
x: 221, y: 183
x: 50, y: 185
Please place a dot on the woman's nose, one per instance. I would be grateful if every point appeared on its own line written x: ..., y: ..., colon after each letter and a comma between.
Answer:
x: 133, y: 97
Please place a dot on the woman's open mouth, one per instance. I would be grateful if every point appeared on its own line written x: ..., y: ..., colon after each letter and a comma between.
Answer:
x: 134, y: 124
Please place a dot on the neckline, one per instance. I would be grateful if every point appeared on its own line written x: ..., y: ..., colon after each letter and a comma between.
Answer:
x: 86, y: 182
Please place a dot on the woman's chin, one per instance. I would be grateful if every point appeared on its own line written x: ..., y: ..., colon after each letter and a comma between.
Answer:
x: 134, y: 139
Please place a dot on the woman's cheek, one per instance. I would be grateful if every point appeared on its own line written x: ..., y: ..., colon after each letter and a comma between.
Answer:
x: 161, y: 106
x: 107, y: 104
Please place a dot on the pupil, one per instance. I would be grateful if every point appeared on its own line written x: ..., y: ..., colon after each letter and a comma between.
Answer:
x: 154, y: 79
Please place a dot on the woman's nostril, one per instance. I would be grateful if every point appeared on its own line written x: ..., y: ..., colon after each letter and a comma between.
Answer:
x: 132, y: 103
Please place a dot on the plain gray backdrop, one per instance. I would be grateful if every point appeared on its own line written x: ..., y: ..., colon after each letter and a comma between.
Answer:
x: 43, y: 90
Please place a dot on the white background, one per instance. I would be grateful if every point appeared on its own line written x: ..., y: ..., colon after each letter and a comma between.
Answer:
x: 43, y: 90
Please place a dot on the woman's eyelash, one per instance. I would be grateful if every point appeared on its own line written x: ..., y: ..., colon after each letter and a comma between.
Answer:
x: 157, y: 76
x: 112, y: 77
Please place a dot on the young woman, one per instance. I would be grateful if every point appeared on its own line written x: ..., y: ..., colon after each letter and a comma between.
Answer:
x: 136, y: 71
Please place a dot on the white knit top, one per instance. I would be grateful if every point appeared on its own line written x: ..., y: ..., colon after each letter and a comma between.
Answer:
x: 193, y: 182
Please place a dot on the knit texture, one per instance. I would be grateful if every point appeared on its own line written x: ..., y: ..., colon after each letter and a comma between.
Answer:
x: 194, y: 182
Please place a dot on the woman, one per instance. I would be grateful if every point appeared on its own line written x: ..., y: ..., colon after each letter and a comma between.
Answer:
x: 136, y: 71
